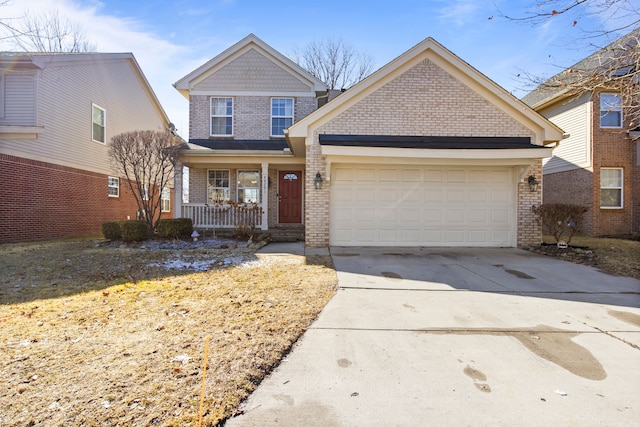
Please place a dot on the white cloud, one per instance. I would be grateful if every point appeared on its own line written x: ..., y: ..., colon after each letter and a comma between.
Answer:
x: 460, y: 12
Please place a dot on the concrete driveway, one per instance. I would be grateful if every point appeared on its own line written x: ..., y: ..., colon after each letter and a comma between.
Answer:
x: 478, y: 337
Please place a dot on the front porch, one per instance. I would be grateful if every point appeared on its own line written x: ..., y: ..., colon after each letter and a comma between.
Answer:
x: 225, y: 198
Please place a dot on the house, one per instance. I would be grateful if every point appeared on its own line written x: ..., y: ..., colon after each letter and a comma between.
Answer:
x: 598, y: 165
x: 426, y: 151
x: 57, y: 114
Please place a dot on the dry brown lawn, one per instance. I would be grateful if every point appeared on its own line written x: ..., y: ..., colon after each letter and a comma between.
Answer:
x: 96, y: 335
x: 614, y: 256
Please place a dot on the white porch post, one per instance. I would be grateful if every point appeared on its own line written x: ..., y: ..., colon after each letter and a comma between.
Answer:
x: 265, y: 196
x: 177, y: 190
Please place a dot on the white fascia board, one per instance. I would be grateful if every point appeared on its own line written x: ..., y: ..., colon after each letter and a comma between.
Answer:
x: 475, y: 154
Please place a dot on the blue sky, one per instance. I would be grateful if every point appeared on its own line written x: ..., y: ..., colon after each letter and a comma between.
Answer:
x: 171, y: 38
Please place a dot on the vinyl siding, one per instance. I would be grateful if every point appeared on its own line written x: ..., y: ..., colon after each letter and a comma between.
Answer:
x: 65, y: 93
x: 252, y: 71
x: 19, y: 99
x: 574, y: 152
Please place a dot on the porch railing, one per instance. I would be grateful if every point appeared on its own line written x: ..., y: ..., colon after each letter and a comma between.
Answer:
x: 224, y: 215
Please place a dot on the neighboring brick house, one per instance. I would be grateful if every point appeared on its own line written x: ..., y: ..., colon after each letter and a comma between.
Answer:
x: 57, y: 113
x: 426, y: 151
x: 598, y: 165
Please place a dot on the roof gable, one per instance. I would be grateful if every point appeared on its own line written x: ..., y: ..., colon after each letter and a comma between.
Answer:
x: 249, y: 65
x: 427, y: 54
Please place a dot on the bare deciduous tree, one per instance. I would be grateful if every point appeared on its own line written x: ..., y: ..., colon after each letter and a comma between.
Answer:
x: 146, y: 159
x: 615, y: 66
x: 336, y: 63
x: 49, y: 32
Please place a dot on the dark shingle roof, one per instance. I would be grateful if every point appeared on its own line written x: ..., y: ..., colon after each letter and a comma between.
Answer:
x: 597, y: 62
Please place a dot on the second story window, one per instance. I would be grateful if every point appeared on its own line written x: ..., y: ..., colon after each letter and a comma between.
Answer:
x: 610, y: 110
x: 98, y: 123
x: 281, y: 115
x: 221, y: 116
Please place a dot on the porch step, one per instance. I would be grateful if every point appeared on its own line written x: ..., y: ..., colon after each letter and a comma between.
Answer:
x: 286, y: 234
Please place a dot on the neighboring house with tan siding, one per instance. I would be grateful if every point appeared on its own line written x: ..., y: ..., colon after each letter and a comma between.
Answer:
x: 598, y: 165
x: 426, y: 151
x: 58, y: 112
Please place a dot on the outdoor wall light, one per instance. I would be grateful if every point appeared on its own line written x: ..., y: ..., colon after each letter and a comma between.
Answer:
x: 317, y: 181
x: 533, y: 183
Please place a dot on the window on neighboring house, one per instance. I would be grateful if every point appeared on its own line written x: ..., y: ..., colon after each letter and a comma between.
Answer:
x: 221, y: 116
x: 248, y: 186
x: 611, y: 188
x: 114, y: 186
x: 165, y: 200
x: 98, y: 123
x: 145, y: 192
x: 610, y: 110
x: 281, y: 115
x: 218, y: 189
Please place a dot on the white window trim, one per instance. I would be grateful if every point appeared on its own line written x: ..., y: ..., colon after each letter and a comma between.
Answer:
x: 238, y: 188
x: 621, y: 188
x: 207, y: 186
x: 601, y: 110
x: 145, y: 192
x: 211, y: 116
x: 293, y: 115
x: 116, y: 186
x: 104, y: 125
x: 166, y: 191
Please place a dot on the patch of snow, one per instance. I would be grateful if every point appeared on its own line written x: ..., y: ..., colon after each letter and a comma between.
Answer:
x: 183, y: 358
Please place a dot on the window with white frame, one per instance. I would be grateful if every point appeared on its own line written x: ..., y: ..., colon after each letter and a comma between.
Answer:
x: 221, y: 116
x: 248, y: 186
x: 165, y: 200
x: 98, y: 123
x: 611, y: 188
x: 218, y: 186
x: 281, y: 115
x: 145, y: 192
x: 114, y: 186
x: 610, y: 110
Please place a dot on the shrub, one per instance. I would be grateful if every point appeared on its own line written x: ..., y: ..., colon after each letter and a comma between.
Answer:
x: 111, y: 230
x: 559, y: 219
x: 175, y: 228
x: 134, y: 231
x: 246, y: 220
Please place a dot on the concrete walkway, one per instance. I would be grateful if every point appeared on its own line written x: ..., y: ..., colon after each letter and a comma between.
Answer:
x: 435, y: 336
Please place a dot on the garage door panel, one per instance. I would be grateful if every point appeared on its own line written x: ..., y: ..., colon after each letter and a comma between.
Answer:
x: 478, y: 195
x: 456, y: 195
x: 411, y: 175
x: 478, y: 216
x: 432, y: 216
x: 416, y: 206
x: 454, y: 216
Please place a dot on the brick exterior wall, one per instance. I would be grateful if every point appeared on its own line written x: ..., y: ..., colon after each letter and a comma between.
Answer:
x: 611, y: 148
x: 424, y: 100
x: 251, y: 115
x: 45, y: 201
x: 529, y: 231
x: 572, y: 187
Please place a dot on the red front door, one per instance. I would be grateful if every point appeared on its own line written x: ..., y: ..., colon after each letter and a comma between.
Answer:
x: 290, y: 197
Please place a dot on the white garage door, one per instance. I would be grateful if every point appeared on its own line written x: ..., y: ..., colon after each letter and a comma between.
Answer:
x: 422, y: 206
